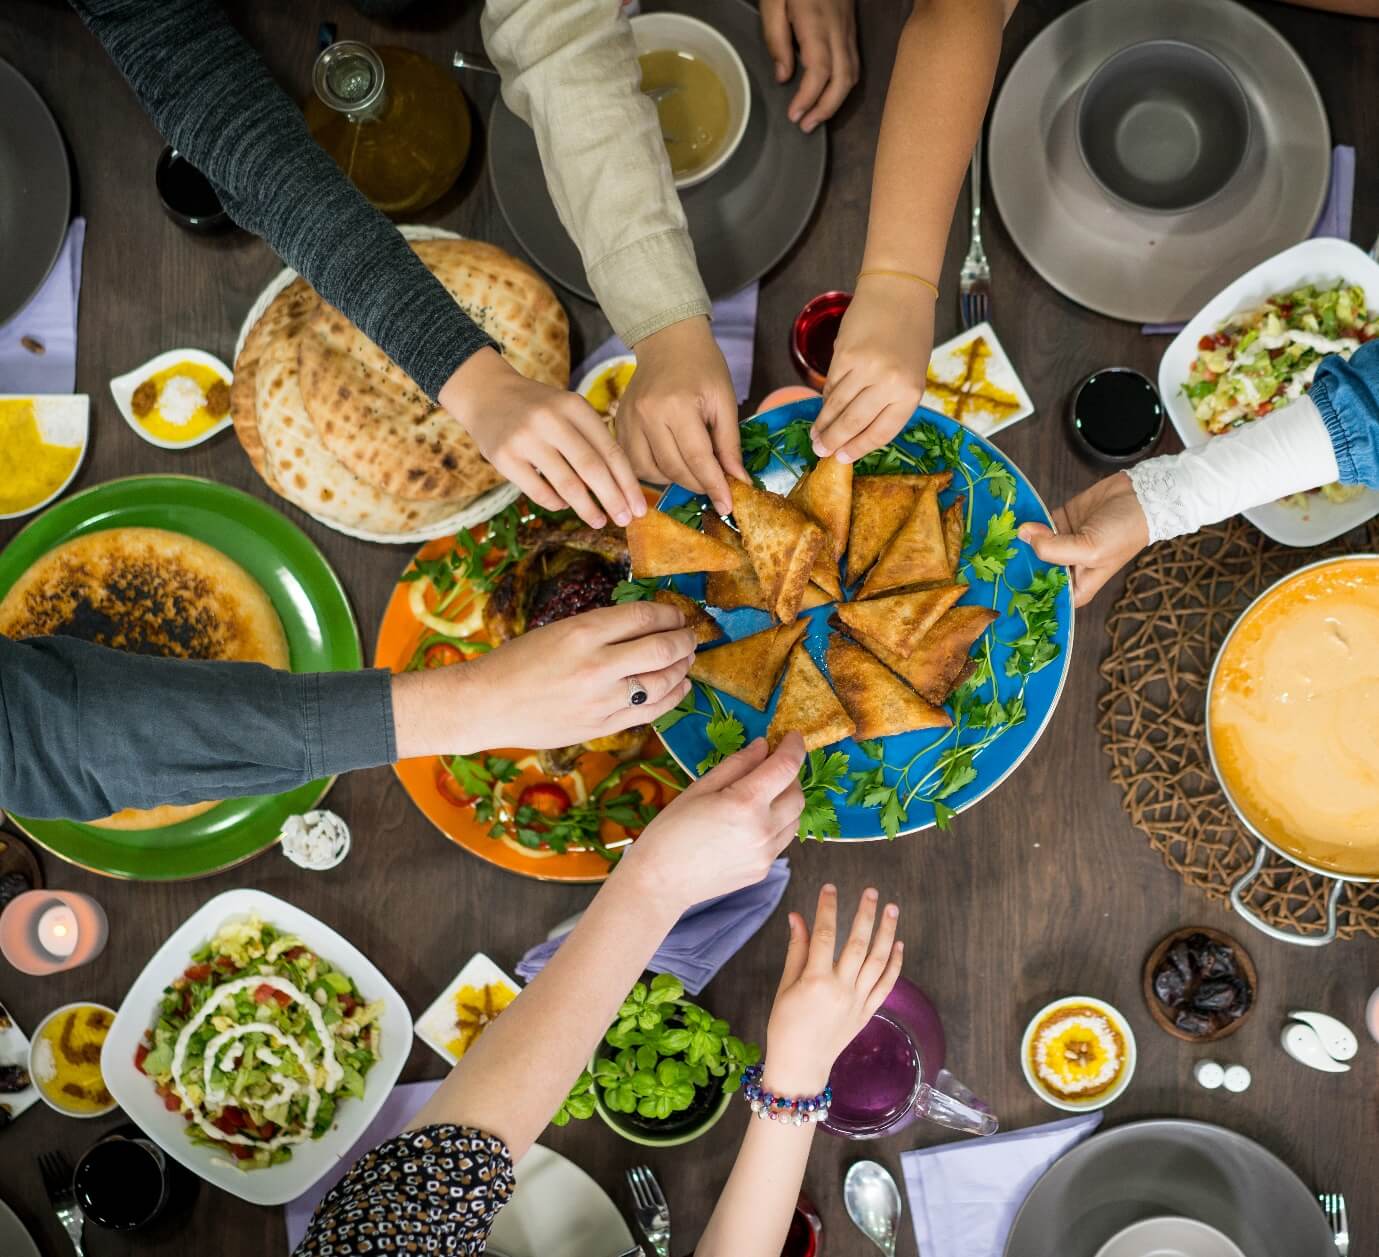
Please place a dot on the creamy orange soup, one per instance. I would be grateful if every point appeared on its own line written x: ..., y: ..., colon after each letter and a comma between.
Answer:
x: 1295, y: 716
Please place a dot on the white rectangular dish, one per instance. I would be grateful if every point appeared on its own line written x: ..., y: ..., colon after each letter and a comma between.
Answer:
x: 1322, y: 261
x: 135, y: 1092
x: 436, y: 1026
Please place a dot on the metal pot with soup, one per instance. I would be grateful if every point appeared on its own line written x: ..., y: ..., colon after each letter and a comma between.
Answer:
x: 699, y: 86
x: 1292, y: 722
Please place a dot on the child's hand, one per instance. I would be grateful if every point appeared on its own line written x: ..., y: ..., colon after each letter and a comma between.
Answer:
x: 823, y: 1003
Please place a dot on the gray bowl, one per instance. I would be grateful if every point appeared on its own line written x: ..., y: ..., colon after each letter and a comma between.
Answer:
x: 1162, y: 125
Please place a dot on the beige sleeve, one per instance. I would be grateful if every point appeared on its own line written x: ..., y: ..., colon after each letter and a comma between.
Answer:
x: 570, y: 71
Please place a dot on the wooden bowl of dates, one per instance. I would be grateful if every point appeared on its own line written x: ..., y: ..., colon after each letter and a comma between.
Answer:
x: 1200, y: 984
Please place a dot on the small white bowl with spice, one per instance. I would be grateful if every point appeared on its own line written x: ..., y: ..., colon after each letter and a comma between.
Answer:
x: 176, y: 400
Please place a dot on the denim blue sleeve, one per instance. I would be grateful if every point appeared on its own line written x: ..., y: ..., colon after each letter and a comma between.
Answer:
x: 86, y: 731
x: 1347, y: 394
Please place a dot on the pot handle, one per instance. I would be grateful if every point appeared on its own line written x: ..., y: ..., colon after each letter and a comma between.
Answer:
x: 1285, y: 936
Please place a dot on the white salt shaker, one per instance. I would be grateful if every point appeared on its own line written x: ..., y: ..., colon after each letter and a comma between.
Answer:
x: 1209, y: 1074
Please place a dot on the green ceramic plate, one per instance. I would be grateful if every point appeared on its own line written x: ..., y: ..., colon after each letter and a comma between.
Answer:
x: 321, y: 634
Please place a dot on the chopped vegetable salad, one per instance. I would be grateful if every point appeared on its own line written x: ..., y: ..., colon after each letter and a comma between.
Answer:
x: 257, y: 1043
x: 1262, y: 358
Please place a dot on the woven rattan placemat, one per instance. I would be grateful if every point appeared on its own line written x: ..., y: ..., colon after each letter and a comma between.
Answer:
x: 1179, y: 603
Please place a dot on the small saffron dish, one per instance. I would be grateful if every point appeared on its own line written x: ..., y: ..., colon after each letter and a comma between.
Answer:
x: 65, y: 1059
x: 177, y: 400
x: 43, y: 441
x: 460, y: 1013
x: 1078, y: 1053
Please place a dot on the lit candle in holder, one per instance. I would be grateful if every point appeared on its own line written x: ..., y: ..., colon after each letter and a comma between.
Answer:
x: 47, y: 931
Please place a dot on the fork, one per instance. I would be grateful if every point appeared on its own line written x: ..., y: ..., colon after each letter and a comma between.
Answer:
x: 974, y: 280
x: 650, y: 1208
x: 1333, y: 1205
x: 57, y: 1179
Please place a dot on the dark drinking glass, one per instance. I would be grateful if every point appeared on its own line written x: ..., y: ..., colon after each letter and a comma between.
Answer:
x: 188, y: 196
x: 122, y: 1184
x: 1116, y: 415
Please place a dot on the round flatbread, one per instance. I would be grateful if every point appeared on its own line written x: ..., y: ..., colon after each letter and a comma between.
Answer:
x: 380, y: 425
x: 284, y: 320
x: 153, y: 592
x: 309, y: 475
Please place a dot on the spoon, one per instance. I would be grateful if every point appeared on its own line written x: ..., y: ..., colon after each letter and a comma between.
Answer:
x: 873, y: 1203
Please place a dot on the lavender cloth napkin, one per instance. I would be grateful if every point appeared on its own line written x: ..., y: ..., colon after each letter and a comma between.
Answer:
x: 49, y: 320
x: 703, y: 940
x: 1334, y: 219
x: 734, y: 328
x: 403, y: 1104
x: 964, y: 1196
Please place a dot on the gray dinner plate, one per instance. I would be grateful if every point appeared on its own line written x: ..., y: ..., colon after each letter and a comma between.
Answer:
x: 15, y: 1240
x: 743, y: 219
x: 1188, y: 1169
x: 1132, y: 264
x: 35, y: 191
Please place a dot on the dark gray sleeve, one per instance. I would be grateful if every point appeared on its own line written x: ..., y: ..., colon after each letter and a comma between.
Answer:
x: 85, y: 731
x: 214, y: 100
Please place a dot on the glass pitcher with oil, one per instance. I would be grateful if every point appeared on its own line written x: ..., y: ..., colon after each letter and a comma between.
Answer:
x: 395, y: 122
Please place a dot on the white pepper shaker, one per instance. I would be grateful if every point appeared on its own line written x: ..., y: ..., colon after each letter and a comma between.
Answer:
x: 1237, y: 1078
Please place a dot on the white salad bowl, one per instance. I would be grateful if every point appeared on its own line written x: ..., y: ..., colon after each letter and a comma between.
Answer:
x: 135, y: 1093
x: 1322, y: 261
x: 122, y: 390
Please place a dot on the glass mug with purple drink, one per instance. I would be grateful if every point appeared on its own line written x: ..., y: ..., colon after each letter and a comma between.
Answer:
x: 892, y: 1074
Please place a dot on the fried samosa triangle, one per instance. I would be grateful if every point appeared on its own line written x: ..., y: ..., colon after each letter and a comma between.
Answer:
x: 954, y: 529
x: 825, y: 495
x: 706, y: 628
x: 747, y: 668
x: 782, y: 543
x: 739, y: 587
x: 661, y: 545
x: 815, y: 597
x: 880, y: 504
x: 916, y: 553
x: 899, y: 622
x: 808, y: 706
x: 938, y: 663
x: 879, y: 702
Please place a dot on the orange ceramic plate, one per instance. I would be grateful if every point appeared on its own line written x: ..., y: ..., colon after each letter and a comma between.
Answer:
x: 398, y: 637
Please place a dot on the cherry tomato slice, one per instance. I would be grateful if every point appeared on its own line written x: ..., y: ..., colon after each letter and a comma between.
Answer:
x: 140, y: 1055
x: 546, y: 797
x: 1206, y: 343
x: 442, y: 655
x: 450, y: 789
x: 263, y: 993
x: 197, y: 973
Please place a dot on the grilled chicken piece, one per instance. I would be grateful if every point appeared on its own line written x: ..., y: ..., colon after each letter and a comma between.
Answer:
x: 621, y: 746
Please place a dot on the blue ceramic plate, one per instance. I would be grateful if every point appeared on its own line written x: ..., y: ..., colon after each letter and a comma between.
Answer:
x: 938, y: 771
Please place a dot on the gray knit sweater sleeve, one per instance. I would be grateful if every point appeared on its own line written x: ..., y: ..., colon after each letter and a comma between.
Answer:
x: 214, y: 100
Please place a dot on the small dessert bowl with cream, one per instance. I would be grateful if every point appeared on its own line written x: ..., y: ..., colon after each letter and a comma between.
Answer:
x: 176, y: 400
x: 1078, y: 1053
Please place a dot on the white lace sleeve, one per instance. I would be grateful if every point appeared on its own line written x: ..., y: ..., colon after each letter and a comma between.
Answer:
x: 1289, y: 452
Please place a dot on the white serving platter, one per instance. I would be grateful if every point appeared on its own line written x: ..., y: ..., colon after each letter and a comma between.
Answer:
x: 135, y: 1092
x: 1320, y: 261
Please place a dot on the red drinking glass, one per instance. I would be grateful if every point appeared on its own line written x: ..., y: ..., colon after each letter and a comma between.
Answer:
x: 805, y: 1238
x: 813, y: 334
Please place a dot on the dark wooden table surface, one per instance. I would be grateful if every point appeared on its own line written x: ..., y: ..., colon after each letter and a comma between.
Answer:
x: 1041, y: 890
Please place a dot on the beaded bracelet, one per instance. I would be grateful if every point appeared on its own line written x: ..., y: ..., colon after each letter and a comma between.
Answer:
x: 798, y: 1112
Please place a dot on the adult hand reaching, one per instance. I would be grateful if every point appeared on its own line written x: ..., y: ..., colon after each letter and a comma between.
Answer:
x: 880, y: 359
x: 1099, y: 532
x: 826, y: 32
x: 550, y: 443
x: 557, y: 685
x: 678, y: 418
x: 722, y: 833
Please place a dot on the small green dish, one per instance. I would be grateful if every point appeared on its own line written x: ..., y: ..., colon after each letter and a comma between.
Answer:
x: 321, y: 633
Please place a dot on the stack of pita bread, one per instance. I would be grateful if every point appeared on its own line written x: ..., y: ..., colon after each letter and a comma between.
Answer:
x: 333, y: 424
x: 903, y: 644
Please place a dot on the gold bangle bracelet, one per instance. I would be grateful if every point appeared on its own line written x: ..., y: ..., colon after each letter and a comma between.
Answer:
x: 918, y: 279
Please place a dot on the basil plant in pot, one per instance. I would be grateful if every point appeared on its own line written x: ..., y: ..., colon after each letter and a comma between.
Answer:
x: 665, y: 1071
